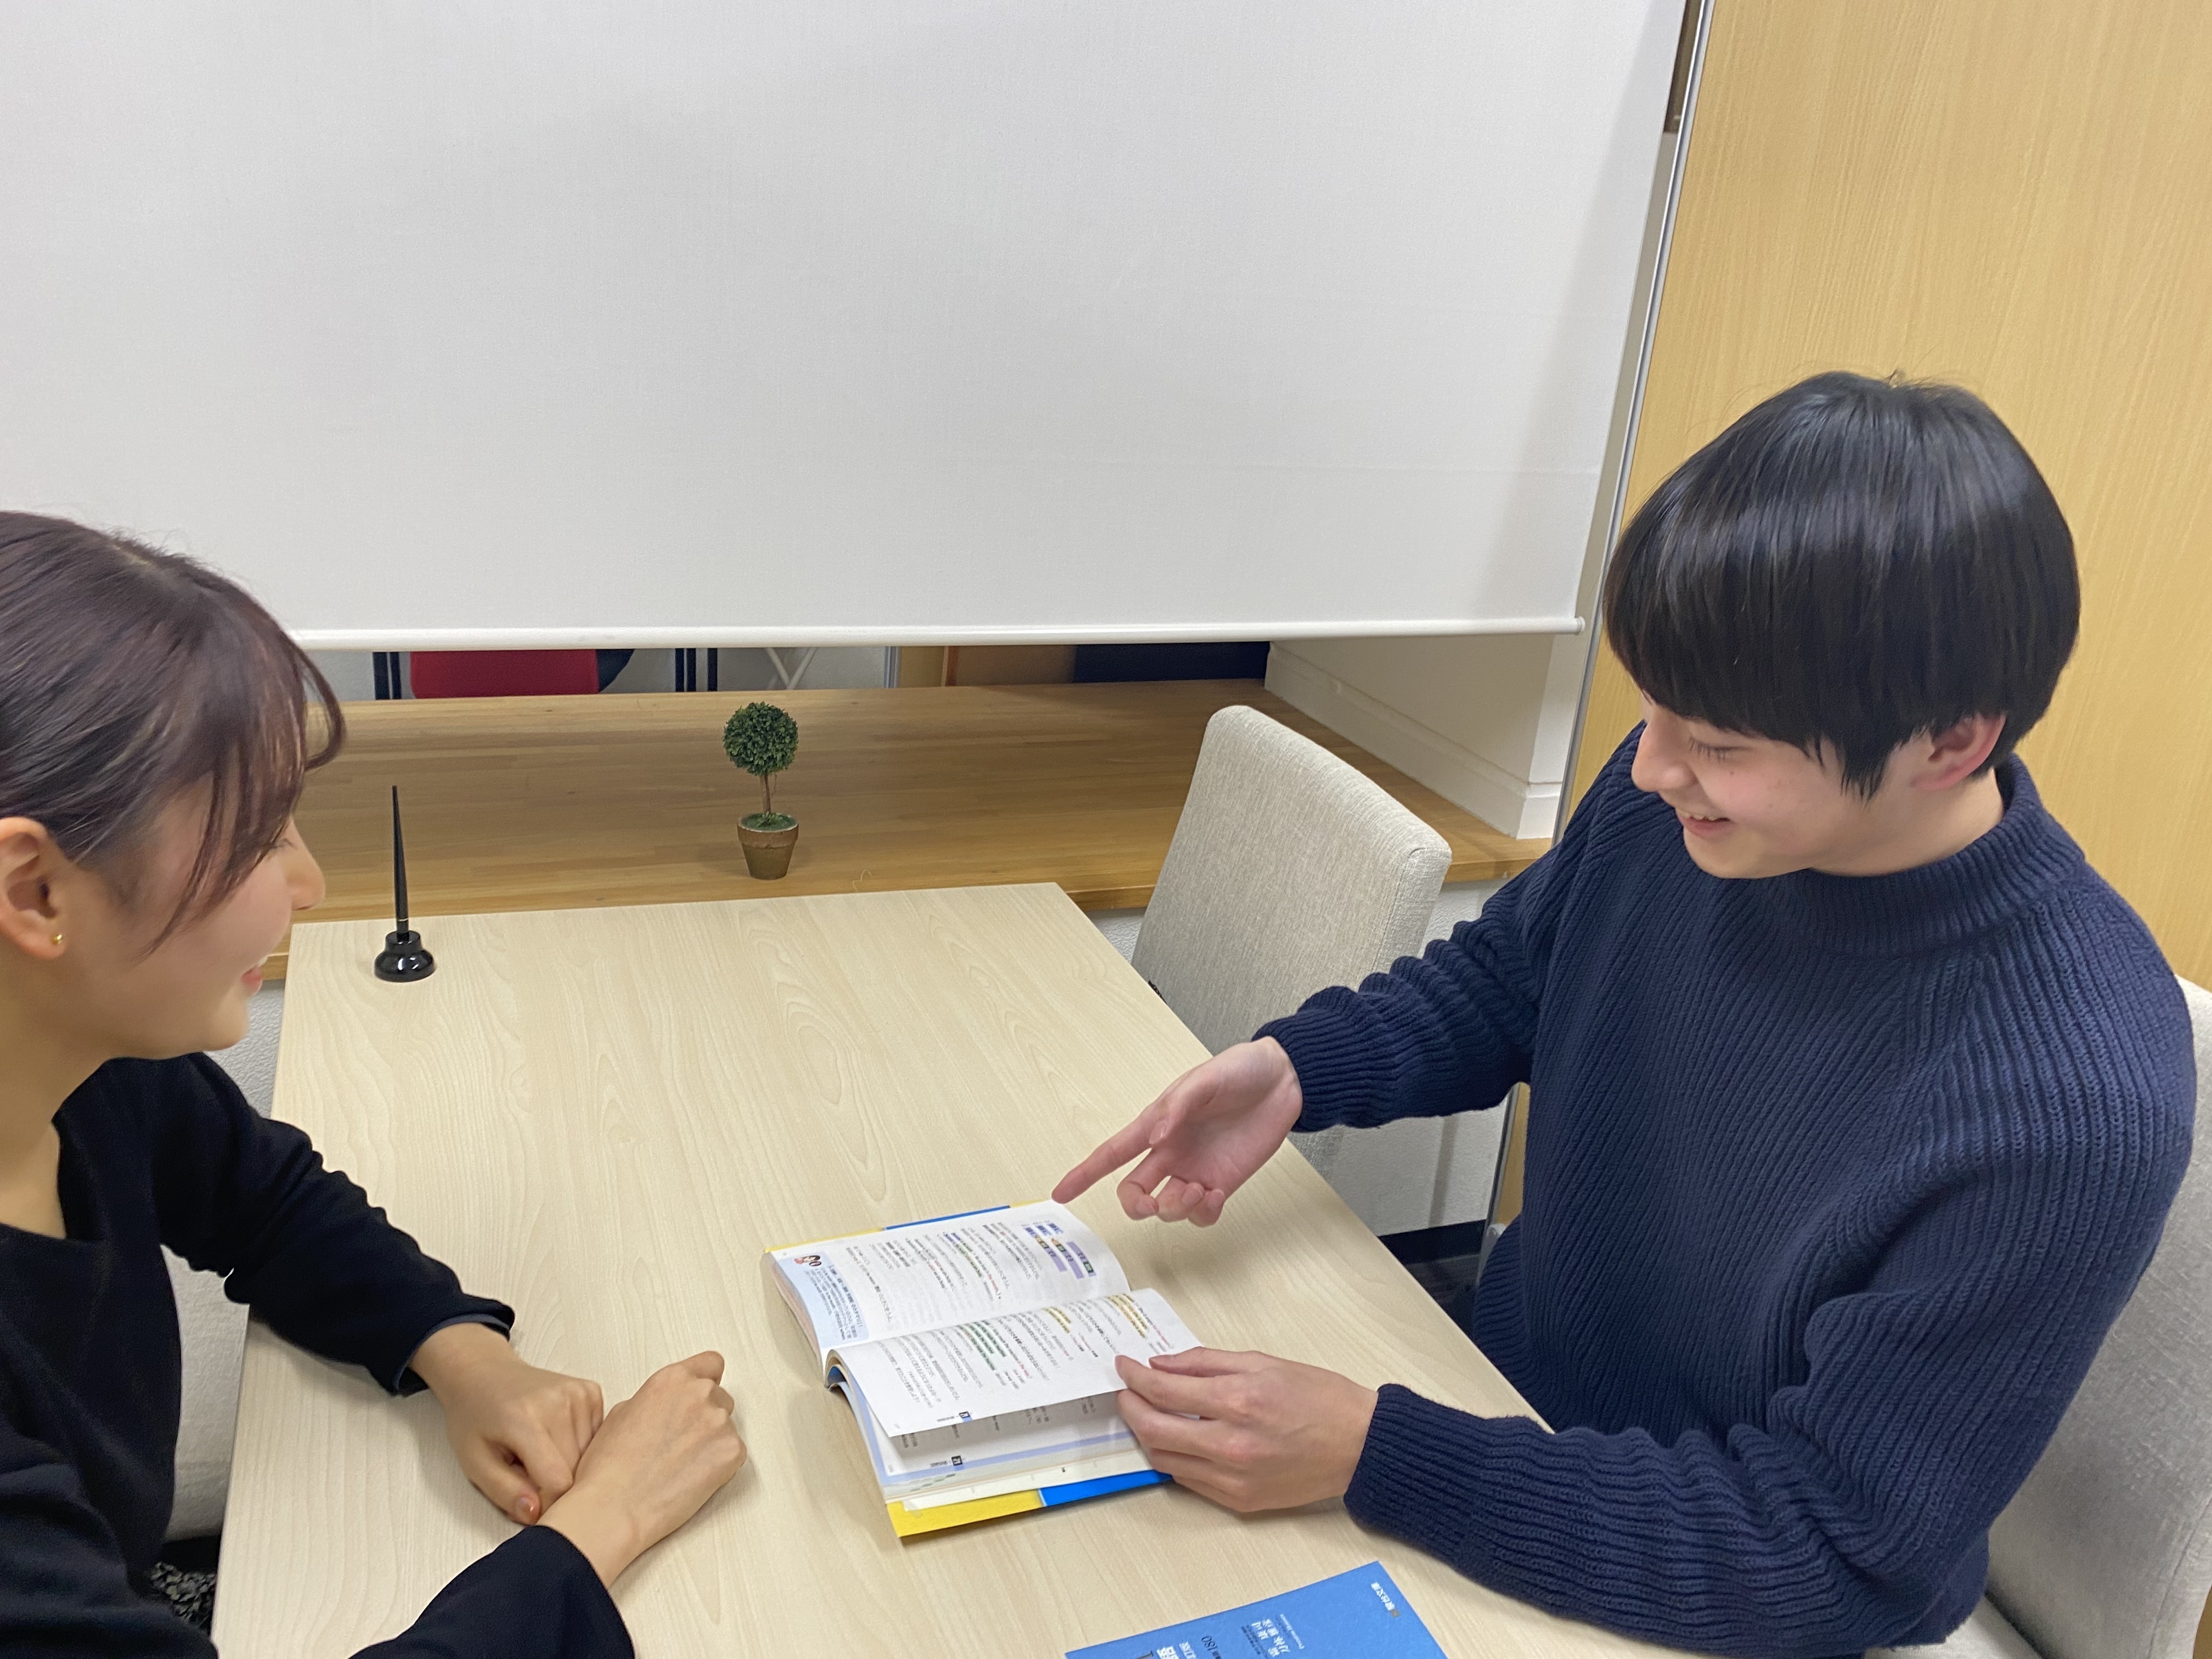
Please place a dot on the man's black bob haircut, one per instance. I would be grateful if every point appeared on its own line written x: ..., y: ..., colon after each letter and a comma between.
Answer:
x: 1856, y: 562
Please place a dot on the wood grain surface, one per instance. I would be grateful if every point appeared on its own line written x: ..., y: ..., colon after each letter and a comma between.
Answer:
x: 2014, y: 195
x: 554, y: 802
x: 603, y: 1116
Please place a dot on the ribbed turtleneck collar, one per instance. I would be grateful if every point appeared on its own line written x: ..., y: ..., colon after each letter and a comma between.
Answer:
x: 1981, y: 886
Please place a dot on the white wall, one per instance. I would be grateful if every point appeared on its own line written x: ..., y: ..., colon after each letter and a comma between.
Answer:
x: 352, y: 674
x: 1484, y: 722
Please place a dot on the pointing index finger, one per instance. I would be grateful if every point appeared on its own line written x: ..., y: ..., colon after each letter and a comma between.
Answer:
x: 1110, y: 1155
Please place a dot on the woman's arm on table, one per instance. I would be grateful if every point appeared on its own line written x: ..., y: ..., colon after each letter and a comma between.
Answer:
x: 542, y: 1594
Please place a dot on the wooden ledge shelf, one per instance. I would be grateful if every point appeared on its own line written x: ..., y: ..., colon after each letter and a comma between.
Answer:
x: 559, y: 802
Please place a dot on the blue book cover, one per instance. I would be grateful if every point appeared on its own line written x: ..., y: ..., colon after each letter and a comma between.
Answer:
x: 1359, y: 1614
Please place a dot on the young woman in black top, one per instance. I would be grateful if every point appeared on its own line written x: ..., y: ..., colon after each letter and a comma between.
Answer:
x: 154, y: 733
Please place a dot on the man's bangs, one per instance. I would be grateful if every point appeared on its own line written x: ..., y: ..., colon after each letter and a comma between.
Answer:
x: 1853, y: 564
x: 1692, y: 593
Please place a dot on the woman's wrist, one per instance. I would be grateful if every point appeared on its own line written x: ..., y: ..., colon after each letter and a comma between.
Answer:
x: 601, y: 1535
x: 448, y: 1354
x: 1287, y: 1096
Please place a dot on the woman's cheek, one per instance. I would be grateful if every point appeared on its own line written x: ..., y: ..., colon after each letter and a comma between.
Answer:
x: 257, y: 916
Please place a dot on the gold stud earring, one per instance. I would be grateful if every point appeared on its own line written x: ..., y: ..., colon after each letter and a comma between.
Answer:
x: 57, y: 938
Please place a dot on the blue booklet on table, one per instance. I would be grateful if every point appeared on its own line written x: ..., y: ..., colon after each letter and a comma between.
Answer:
x: 1359, y: 1614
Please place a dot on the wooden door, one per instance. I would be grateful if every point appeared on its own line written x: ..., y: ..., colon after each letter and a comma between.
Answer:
x: 2015, y: 195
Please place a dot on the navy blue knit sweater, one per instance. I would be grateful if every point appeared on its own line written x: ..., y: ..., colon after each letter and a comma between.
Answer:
x: 1833, y: 1187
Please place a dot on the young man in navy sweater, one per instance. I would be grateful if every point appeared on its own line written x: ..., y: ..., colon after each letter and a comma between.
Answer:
x: 1859, y: 1097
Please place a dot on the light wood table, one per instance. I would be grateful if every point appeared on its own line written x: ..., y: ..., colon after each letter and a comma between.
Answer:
x: 603, y: 1116
x: 545, y: 803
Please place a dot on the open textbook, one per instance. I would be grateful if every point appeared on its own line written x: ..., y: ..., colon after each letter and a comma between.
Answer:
x: 977, y: 1352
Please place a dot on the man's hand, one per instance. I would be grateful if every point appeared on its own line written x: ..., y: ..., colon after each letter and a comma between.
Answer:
x: 1269, y: 1434
x: 1202, y: 1138
x: 518, y: 1431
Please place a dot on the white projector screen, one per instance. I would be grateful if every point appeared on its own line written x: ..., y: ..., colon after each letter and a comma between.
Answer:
x: 481, y: 323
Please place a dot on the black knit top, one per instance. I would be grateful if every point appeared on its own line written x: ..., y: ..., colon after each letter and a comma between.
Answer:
x: 169, y: 1153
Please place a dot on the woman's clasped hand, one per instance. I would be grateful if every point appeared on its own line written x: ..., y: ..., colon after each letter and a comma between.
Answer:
x: 540, y: 1445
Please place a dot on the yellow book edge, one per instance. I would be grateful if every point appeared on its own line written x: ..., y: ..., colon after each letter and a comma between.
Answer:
x: 907, y: 1523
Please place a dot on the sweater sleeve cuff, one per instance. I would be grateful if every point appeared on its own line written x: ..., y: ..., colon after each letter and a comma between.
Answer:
x: 408, y: 1382
x: 1339, y: 1064
x: 1421, y: 1474
x: 592, y: 1623
x: 534, y: 1597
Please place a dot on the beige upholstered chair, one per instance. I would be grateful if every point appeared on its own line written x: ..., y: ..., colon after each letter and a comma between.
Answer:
x: 1290, y: 871
x: 211, y: 1325
x: 2106, y: 1552
x: 213, y: 1331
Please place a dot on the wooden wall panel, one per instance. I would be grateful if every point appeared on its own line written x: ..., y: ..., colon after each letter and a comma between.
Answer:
x: 1009, y: 664
x: 2015, y: 195
x: 921, y: 664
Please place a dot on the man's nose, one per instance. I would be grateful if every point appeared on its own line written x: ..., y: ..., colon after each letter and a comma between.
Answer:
x: 1659, y: 764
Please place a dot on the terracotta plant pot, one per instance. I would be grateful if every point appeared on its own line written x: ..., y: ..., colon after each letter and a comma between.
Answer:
x: 767, y: 852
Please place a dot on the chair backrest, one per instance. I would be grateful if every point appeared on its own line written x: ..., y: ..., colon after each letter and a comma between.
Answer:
x: 504, y: 673
x: 2106, y: 1552
x: 1288, y: 872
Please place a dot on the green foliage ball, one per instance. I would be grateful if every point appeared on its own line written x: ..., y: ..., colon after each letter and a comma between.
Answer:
x: 761, y: 738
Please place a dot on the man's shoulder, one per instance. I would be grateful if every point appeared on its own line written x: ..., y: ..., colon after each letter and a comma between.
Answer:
x: 2086, y: 946
x: 2081, y: 1012
x: 2080, y: 921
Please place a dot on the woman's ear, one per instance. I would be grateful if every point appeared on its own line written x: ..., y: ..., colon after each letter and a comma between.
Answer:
x: 31, y: 912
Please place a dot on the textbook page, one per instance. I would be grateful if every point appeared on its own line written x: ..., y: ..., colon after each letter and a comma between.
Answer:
x: 990, y: 1449
x: 930, y: 1273
x: 1010, y: 1362
x: 1113, y: 1466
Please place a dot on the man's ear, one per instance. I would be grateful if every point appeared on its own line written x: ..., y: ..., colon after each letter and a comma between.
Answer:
x: 31, y: 912
x: 1950, y: 756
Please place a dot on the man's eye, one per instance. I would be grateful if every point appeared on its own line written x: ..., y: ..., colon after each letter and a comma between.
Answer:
x: 1708, y: 750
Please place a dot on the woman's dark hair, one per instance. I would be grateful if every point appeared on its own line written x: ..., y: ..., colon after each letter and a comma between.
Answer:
x: 129, y: 677
x: 1856, y: 562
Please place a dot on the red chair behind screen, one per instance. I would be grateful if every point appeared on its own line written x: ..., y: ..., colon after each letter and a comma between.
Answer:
x: 504, y: 673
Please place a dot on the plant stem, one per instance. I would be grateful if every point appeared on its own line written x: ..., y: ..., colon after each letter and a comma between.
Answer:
x: 768, y: 794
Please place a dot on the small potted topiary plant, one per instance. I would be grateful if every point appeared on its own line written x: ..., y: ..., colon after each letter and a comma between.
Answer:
x: 761, y: 739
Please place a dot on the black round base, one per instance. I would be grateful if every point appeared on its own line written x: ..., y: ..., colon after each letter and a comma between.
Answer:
x: 403, y: 959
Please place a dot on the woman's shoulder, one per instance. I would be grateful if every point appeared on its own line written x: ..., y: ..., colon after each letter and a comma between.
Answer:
x: 141, y: 1098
